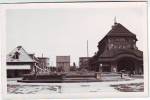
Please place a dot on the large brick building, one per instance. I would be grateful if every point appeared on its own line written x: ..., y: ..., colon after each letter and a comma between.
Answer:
x: 118, y: 51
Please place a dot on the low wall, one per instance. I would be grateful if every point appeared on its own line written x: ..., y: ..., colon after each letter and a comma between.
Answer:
x: 42, y: 76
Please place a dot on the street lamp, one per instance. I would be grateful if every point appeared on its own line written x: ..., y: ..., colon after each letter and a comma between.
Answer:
x: 100, y: 68
x: 98, y: 75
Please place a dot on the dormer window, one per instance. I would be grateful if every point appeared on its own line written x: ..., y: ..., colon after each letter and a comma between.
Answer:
x: 16, y: 55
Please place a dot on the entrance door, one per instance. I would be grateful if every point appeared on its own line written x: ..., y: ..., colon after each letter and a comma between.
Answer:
x: 126, y: 64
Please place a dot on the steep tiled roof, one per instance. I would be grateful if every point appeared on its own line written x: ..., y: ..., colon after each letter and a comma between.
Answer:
x: 23, y: 56
x: 120, y: 30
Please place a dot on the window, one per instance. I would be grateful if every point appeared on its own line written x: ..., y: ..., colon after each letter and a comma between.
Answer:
x: 16, y: 55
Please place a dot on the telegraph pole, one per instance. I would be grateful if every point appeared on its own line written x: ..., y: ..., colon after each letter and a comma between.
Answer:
x: 115, y: 20
x: 87, y: 49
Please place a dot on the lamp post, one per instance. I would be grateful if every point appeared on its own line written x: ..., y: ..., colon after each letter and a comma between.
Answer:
x: 100, y: 67
x: 98, y: 75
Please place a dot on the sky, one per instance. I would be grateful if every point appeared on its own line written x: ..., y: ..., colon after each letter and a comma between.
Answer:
x: 59, y: 31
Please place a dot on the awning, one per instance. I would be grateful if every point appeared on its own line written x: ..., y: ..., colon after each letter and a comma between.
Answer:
x: 18, y: 67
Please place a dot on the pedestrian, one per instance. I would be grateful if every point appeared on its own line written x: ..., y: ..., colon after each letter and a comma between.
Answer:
x: 121, y: 74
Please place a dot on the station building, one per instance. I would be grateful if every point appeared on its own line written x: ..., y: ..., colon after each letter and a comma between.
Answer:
x: 117, y: 51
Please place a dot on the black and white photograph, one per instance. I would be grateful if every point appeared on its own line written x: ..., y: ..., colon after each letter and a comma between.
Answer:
x: 75, y: 50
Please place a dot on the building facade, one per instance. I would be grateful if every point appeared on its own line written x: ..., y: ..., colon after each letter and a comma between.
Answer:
x: 43, y: 62
x: 117, y: 51
x: 63, y: 63
x: 19, y: 62
x: 83, y: 62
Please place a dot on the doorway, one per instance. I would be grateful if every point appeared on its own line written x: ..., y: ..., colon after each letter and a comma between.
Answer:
x: 126, y: 64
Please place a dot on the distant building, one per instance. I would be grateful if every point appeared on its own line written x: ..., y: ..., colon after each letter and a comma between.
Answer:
x: 117, y: 51
x: 63, y: 63
x: 83, y: 62
x: 19, y: 62
x: 43, y: 62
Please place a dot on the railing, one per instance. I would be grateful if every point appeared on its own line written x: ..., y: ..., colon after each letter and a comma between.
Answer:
x: 40, y: 70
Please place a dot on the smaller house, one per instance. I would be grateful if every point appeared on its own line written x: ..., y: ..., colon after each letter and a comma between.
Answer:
x: 19, y: 62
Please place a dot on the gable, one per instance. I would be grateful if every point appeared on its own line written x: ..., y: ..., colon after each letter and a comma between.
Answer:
x: 19, y: 55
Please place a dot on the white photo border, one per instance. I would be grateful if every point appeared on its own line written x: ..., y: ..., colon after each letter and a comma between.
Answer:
x: 5, y: 7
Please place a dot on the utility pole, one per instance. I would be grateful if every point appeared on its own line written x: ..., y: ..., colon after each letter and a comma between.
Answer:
x: 87, y: 49
x: 42, y: 61
x: 115, y: 20
x: 42, y: 55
